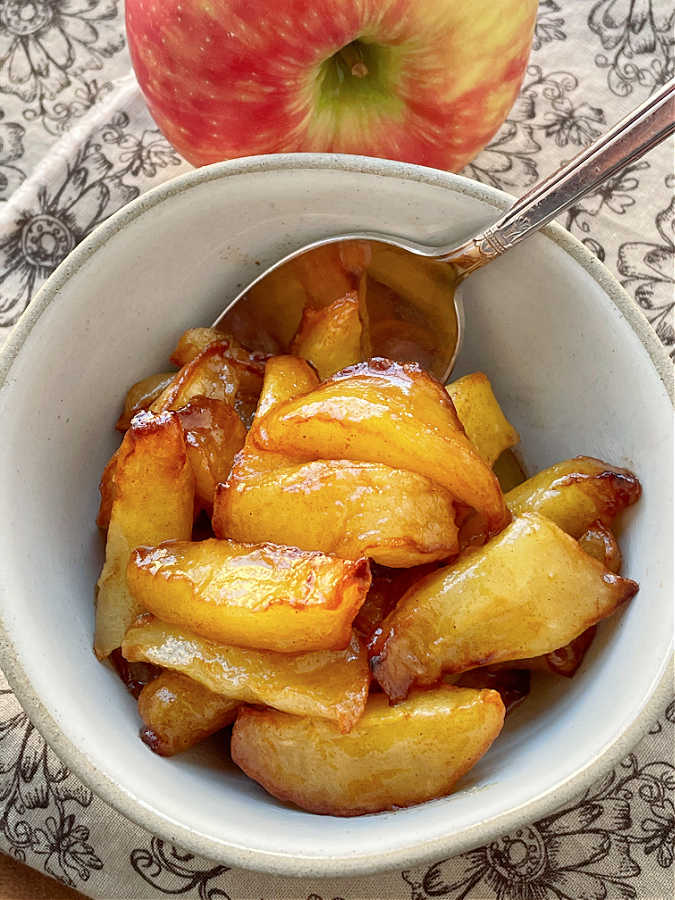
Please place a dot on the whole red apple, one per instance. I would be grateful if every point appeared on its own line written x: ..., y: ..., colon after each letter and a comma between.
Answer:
x: 426, y: 81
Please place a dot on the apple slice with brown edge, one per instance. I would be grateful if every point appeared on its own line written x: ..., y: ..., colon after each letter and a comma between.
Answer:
x: 394, y: 756
x: 141, y: 396
x: 153, y: 499
x: 214, y: 434
x: 384, y: 412
x: 252, y: 595
x: 178, y: 712
x: 527, y: 592
x: 330, y: 337
x: 329, y: 684
x: 575, y: 493
x: 210, y: 374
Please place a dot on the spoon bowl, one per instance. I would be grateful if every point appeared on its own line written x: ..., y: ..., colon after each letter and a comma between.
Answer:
x: 425, y: 321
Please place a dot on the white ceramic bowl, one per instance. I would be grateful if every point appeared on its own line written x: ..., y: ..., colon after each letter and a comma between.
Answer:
x: 573, y: 362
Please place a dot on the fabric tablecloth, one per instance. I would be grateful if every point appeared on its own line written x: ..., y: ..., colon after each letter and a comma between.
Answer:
x: 76, y: 144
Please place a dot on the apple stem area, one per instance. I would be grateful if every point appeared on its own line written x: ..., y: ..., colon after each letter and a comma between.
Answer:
x: 358, y: 72
x: 352, y: 59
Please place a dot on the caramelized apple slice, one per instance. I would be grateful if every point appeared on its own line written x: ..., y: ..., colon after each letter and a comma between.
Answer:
x: 383, y: 412
x: 210, y: 374
x: 286, y: 377
x: 328, y: 684
x: 394, y: 756
x: 599, y: 542
x: 485, y: 424
x: 527, y: 592
x: 251, y: 595
x: 153, y: 500
x: 330, y: 337
x: 575, y: 493
x: 350, y: 509
x: 141, y: 396
x: 214, y: 434
x: 178, y: 713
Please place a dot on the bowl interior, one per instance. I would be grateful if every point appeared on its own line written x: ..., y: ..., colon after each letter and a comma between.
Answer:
x: 569, y: 370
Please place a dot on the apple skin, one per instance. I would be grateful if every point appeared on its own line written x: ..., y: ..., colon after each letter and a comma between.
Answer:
x: 231, y: 78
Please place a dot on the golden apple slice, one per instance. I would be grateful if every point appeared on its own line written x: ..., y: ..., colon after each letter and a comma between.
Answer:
x: 329, y: 684
x: 248, y: 365
x: 575, y: 493
x: 153, y: 500
x: 481, y: 415
x: 286, y: 377
x: 141, y: 396
x: 178, y: 713
x: 251, y: 595
x: 527, y: 592
x: 394, y: 756
x: 330, y: 337
x: 341, y: 507
x: 210, y: 374
x: 214, y: 434
x: 384, y: 412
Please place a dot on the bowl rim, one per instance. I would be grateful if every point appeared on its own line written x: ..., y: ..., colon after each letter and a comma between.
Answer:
x: 418, y: 851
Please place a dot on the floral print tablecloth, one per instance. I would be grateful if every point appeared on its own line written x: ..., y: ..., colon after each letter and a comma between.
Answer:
x: 76, y: 144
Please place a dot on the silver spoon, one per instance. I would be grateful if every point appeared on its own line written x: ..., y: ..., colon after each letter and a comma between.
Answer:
x: 428, y: 278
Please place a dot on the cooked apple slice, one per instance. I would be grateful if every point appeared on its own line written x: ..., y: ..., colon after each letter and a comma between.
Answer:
x: 178, y: 713
x: 248, y: 365
x: 270, y: 313
x: 575, y: 493
x: 210, y: 374
x: 481, y: 415
x: 286, y: 377
x: 350, y: 509
x: 153, y: 500
x: 527, y: 592
x: 330, y: 337
x: 251, y: 595
x: 384, y: 412
x: 394, y: 756
x: 329, y: 684
x: 214, y: 433
x: 141, y: 396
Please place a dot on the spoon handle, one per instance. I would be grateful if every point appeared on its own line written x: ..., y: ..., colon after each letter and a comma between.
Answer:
x: 628, y: 140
